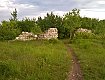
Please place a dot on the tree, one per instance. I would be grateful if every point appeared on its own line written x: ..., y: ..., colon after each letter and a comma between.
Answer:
x: 8, y: 30
x: 36, y: 29
x: 14, y: 15
x: 29, y: 25
x: 90, y: 23
x: 52, y: 20
x: 100, y: 29
x: 47, y: 22
x: 86, y: 22
x: 72, y: 21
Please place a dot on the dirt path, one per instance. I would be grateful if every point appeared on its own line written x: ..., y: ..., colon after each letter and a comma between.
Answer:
x: 75, y: 73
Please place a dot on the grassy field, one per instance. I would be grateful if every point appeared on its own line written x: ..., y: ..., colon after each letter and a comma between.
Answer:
x: 91, y: 54
x: 33, y: 60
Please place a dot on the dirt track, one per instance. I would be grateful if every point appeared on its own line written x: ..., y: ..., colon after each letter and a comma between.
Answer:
x: 75, y: 73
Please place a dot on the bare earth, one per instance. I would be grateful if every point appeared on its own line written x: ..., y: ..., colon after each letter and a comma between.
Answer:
x: 75, y: 73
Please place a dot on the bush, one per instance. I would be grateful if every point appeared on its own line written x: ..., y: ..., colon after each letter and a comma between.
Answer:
x: 36, y: 29
x: 9, y: 30
x: 84, y: 35
x: 8, y: 34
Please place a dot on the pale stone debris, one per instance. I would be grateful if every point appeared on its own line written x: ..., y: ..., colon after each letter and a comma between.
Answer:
x: 26, y: 36
x: 49, y: 34
x: 84, y: 30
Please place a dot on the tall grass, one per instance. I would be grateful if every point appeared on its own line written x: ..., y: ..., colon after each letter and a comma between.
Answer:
x: 91, y: 54
x: 33, y: 60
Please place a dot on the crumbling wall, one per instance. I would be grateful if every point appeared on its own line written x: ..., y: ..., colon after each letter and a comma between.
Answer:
x: 49, y: 34
x: 24, y: 36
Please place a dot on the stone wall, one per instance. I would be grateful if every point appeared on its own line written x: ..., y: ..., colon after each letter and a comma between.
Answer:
x: 26, y: 36
x: 49, y: 34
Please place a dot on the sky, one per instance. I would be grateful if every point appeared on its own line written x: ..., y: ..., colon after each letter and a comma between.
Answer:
x: 36, y: 8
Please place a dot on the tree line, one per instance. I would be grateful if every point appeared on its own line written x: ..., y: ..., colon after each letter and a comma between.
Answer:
x: 66, y: 25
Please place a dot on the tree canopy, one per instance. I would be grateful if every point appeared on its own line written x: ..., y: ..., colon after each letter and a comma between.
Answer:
x: 66, y: 25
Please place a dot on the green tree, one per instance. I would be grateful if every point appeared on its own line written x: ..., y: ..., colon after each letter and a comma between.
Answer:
x: 26, y: 24
x: 36, y: 29
x: 8, y: 30
x: 54, y: 21
x: 47, y: 22
x: 100, y: 29
x: 29, y: 25
x: 14, y: 15
x: 86, y: 22
x: 72, y: 21
x: 90, y: 23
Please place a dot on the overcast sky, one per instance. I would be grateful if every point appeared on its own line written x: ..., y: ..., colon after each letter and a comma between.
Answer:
x: 35, y: 8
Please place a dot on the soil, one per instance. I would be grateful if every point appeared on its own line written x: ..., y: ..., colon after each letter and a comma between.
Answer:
x: 75, y: 73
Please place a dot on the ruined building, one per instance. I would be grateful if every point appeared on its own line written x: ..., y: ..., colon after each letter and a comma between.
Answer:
x: 49, y: 34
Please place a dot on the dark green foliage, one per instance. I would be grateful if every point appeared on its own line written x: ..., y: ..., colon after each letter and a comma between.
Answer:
x: 89, y: 23
x: 29, y: 25
x: 66, y: 25
x: 36, y: 29
x: 101, y: 27
x: 54, y: 21
x: 72, y: 21
x: 26, y: 24
x: 9, y: 30
x: 84, y: 35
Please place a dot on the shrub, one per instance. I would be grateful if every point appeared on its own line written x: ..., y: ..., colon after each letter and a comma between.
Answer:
x: 36, y: 29
x: 84, y: 35
x: 9, y: 30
